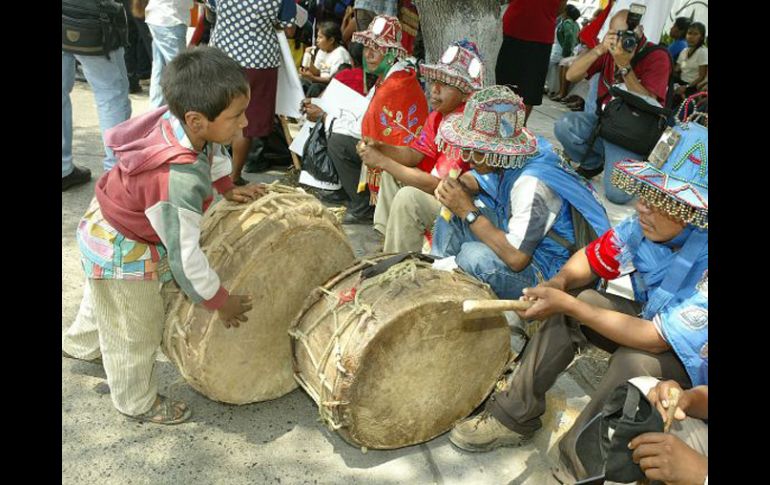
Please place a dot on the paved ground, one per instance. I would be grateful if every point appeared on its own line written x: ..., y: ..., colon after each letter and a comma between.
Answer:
x: 280, y: 441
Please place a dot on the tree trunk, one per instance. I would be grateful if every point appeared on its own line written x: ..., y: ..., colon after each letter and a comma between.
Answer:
x: 445, y: 21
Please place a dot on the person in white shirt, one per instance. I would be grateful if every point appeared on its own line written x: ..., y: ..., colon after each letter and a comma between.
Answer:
x: 692, y: 66
x: 329, y: 56
x: 167, y: 21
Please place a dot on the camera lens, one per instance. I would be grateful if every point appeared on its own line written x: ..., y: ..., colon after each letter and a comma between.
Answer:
x: 629, y: 43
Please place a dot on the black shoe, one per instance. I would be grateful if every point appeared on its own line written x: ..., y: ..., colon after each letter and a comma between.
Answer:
x: 259, y: 166
x: 332, y: 196
x: 589, y: 173
x: 135, y: 88
x: 366, y: 219
x: 240, y: 182
x: 79, y: 176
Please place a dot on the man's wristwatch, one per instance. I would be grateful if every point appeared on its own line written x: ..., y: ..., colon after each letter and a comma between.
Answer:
x: 624, y: 70
x: 472, y: 216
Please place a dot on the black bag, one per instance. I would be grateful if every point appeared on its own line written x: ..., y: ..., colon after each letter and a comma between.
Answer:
x: 631, y: 122
x: 315, y: 158
x: 93, y: 27
x: 627, y: 120
x: 602, y: 444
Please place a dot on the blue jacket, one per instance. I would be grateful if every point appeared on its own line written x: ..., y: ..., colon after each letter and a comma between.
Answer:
x: 549, y: 256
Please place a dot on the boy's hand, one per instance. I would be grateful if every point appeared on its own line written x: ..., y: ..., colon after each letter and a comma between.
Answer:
x: 234, y: 310
x: 658, y: 397
x: 664, y: 457
x: 244, y: 194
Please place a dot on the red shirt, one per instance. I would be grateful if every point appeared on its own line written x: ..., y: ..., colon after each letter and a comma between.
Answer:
x: 532, y: 20
x: 425, y: 143
x: 352, y: 78
x: 652, y: 72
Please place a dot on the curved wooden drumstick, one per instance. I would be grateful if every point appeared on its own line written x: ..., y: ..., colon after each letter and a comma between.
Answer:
x: 482, y: 308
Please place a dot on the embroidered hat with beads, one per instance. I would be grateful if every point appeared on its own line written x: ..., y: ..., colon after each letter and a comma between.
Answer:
x: 674, y: 179
x: 460, y: 66
x: 493, y: 124
x: 383, y: 34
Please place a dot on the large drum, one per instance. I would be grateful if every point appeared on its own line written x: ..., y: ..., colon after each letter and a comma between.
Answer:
x: 389, y: 358
x: 276, y: 249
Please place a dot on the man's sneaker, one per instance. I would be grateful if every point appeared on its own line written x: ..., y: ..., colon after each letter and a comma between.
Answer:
x: 484, y: 432
x: 79, y: 176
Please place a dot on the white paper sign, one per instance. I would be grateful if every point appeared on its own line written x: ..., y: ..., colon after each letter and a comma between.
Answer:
x: 307, y: 179
x: 298, y: 144
x: 339, y: 100
x: 289, y: 95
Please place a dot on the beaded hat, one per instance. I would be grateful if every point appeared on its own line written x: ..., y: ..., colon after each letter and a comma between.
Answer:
x: 460, y: 66
x: 493, y: 124
x: 675, y: 177
x: 383, y: 34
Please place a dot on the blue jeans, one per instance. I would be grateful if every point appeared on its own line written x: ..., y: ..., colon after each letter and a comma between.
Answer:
x: 455, y: 238
x: 593, y: 88
x: 574, y: 130
x: 167, y: 42
x: 109, y: 81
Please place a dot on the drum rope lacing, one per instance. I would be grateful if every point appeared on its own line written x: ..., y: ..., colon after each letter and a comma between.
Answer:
x: 274, y: 205
x: 358, y: 311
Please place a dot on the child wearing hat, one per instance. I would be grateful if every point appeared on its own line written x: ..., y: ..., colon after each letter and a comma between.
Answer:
x: 143, y: 228
x: 512, y: 223
x: 663, y: 333
x: 418, y: 168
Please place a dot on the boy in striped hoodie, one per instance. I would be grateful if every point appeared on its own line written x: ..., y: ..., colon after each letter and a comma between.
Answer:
x: 143, y: 228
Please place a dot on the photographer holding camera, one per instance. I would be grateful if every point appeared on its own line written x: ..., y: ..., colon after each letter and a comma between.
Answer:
x: 624, y: 56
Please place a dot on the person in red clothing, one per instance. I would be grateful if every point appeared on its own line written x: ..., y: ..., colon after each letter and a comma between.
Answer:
x: 419, y: 167
x: 522, y: 63
x: 647, y: 77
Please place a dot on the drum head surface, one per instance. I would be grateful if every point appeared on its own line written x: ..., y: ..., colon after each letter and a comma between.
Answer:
x: 277, y: 261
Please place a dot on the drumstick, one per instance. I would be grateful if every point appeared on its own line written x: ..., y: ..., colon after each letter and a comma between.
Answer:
x: 446, y: 213
x: 673, y: 402
x: 491, y: 307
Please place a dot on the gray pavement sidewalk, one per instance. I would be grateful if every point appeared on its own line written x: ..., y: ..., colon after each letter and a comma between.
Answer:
x: 280, y: 441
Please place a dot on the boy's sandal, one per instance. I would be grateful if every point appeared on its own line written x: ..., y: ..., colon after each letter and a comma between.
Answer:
x: 165, y: 411
x: 96, y: 360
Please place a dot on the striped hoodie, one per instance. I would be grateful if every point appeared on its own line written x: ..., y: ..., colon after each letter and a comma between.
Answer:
x: 156, y: 195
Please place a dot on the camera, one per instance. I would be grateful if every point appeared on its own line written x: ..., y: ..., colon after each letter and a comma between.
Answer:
x: 627, y: 38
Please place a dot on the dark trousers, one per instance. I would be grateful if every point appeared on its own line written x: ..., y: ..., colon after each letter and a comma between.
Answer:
x: 342, y: 151
x: 138, y: 54
x: 548, y: 354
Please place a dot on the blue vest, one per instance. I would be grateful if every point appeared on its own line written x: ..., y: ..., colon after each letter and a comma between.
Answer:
x: 549, y: 256
x: 674, y: 287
